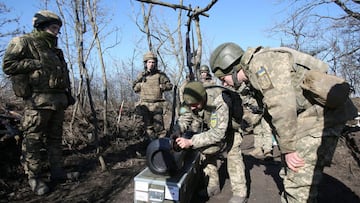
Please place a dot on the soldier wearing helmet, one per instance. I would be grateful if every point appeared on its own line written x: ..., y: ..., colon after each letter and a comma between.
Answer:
x: 40, y: 76
x: 151, y: 84
x: 219, y: 111
x: 45, y: 18
x: 205, y: 76
x: 306, y: 131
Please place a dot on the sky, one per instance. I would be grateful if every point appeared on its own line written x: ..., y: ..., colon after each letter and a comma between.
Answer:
x: 243, y: 22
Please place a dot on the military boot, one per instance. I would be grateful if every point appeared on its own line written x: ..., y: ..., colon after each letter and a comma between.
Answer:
x: 238, y: 199
x: 38, y: 186
x: 257, y: 152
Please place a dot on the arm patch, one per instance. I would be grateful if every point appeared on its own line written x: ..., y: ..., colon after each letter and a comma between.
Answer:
x: 263, y: 79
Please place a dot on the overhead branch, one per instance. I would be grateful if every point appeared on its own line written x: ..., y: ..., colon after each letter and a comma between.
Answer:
x: 347, y: 10
x: 195, y: 11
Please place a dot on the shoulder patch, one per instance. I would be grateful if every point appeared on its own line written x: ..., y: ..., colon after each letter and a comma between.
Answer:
x: 213, y: 120
x: 264, y: 79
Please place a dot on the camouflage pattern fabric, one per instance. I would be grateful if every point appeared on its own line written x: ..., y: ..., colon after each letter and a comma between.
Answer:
x: 152, y: 85
x: 36, y: 56
x: 152, y: 104
x: 188, y: 121
x: 42, y: 130
x: 211, y: 174
x: 316, y: 144
x: 253, y: 116
x: 152, y: 115
x: 208, y: 81
x: 221, y: 137
x: 310, y: 130
x: 263, y: 137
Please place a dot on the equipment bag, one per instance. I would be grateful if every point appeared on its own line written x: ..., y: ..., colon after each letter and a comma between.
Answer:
x: 328, y: 90
x: 318, y: 86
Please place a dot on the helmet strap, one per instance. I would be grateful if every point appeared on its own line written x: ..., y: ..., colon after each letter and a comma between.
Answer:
x: 235, y: 79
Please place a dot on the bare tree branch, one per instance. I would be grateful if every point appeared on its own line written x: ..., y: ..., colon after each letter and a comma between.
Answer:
x: 347, y: 10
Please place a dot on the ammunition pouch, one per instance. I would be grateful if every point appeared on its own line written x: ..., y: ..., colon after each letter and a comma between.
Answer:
x: 20, y: 85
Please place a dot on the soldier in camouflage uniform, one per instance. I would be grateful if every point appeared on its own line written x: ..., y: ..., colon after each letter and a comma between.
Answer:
x: 218, y: 110
x: 40, y: 76
x: 151, y: 83
x: 307, y: 132
x: 205, y: 76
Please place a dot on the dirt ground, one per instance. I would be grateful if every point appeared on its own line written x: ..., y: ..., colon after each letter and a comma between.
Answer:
x: 124, y: 158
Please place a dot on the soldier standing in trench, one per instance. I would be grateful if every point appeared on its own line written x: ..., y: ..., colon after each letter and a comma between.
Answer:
x: 40, y: 76
x: 151, y: 84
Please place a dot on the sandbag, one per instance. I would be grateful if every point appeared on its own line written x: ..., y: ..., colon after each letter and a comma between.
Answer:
x: 328, y: 90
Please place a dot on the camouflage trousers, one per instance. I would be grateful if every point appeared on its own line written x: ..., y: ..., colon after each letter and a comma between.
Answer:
x: 210, y: 169
x: 152, y: 115
x: 316, y: 145
x: 235, y: 164
x: 263, y: 136
x: 42, y: 130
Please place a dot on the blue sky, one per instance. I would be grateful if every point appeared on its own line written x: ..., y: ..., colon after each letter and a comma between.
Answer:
x: 244, y: 22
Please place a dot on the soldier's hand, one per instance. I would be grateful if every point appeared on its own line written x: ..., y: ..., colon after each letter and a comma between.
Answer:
x: 293, y: 161
x: 183, y: 142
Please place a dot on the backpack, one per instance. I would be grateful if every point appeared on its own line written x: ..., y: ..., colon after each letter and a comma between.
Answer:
x: 21, y: 82
x: 234, y: 104
x: 317, y: 86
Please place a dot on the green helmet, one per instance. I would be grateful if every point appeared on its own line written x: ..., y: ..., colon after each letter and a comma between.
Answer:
x: 224, y: 57
x: 44, y: 18
x: 204, y: 68
x: 149, y: 55
x: 194, y: 92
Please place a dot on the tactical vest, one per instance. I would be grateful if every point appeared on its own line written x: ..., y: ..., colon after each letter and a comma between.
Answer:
x: 52, y: 77
x: 150, y: 89
x: 234, y: 104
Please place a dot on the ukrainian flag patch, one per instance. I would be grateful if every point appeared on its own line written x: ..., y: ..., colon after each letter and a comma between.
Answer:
x: 213, y: 120
x: 263, y: 79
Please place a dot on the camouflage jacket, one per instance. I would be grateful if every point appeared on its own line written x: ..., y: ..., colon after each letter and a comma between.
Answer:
x: 152, y: 85
x: 273, y: 73
x: 221, y: 114
x: 43, y: 67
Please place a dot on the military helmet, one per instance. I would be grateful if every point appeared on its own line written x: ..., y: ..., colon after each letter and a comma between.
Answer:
x: 44, y: 18
x: 224, y: 57
x: 149, y: 55
x: 204, y: 68
x: 194, y: 92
